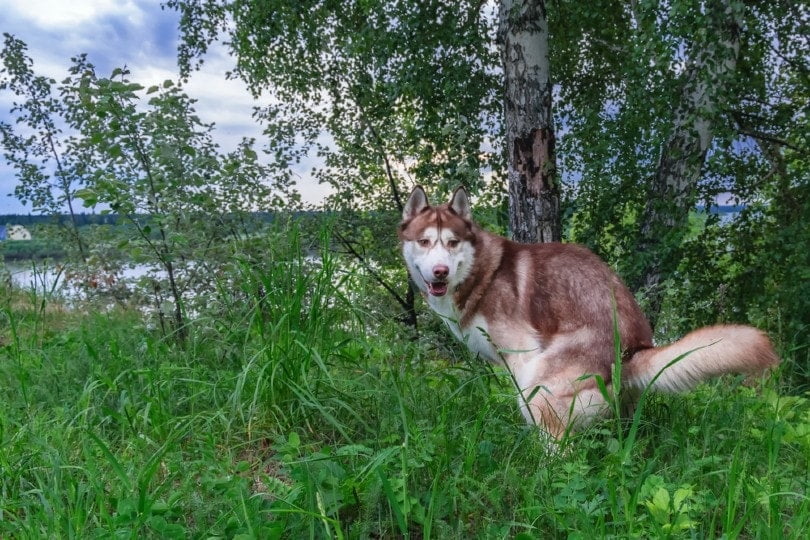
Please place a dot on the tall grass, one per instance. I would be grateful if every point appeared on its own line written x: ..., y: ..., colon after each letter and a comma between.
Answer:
x: 291, y: 414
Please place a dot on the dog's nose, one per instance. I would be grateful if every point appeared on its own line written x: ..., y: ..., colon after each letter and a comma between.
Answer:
x: 440, y: 271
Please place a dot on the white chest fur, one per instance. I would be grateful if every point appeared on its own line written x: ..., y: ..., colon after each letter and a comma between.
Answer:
x: 475, y: 334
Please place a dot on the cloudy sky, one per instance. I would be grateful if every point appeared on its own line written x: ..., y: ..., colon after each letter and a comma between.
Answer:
x: 137, y: 34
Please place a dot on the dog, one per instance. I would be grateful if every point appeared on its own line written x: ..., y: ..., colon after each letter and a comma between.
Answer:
x: 547, y: 312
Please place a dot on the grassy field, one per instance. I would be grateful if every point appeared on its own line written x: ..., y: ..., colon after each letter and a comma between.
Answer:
x: 299, y: 415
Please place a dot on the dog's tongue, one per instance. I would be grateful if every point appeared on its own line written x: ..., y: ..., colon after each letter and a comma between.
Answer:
x: 437, y: 288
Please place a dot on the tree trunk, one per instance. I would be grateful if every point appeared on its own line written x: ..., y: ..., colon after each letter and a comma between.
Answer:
x: 534, y: 193
x: 672, y: 191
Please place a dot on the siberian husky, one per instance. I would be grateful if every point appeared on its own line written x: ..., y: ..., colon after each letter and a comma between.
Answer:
x: 546, y: 311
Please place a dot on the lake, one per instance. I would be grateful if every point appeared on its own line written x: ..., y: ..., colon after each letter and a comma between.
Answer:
x: 51, y: 277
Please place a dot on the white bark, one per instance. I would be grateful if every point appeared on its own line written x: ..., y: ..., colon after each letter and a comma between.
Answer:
x: 680, y: 163
x: 534, y: 202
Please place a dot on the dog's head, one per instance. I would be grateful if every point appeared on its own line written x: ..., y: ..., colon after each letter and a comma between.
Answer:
x: 438, y: 242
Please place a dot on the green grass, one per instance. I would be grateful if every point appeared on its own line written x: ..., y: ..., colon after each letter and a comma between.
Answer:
x: 291, y: 413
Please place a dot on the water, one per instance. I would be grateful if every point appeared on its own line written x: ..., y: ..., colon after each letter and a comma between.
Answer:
x: 47, y: 278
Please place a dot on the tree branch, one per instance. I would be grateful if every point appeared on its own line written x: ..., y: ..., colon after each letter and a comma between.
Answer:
x: 381, y: 149
x: 357, y: 255
x: 744, y: 129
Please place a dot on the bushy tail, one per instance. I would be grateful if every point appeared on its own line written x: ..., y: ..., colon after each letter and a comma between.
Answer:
x: 715, y: 350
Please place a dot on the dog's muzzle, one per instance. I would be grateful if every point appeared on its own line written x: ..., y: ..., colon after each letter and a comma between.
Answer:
x: 437, y: 288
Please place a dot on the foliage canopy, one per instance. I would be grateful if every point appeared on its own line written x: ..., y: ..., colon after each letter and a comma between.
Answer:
x: 393, y: 93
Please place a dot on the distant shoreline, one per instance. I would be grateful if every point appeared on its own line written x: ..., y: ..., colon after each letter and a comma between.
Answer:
x: 23, y: 250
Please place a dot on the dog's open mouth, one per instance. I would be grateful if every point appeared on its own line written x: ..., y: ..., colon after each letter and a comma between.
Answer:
x: 437, y: 288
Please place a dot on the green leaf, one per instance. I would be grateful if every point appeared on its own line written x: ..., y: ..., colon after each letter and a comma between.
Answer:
x: 114, y: 463
x: 680, y: 496
x: 88, y: 197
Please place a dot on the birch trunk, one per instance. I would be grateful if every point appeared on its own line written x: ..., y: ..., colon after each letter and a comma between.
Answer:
x: 534, y: 194
x: 672, y: 191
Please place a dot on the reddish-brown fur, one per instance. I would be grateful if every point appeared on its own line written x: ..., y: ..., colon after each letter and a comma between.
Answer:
x: 567, y: 297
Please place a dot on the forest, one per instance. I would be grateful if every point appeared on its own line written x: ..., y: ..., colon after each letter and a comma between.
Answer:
x: 271, y: 372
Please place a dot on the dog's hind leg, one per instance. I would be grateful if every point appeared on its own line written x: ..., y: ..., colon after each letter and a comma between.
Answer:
x: 559, y: 409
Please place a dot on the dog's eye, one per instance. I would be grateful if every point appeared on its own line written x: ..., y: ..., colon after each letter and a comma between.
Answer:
x: 424, y: 242
x: 453, y: 243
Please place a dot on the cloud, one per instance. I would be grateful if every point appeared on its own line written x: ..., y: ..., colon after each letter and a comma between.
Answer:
x: 58, y: 14
x: 143, y: 37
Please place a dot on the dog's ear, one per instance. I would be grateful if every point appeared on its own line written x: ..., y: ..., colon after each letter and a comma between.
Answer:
x: 416, y: 203
x: 460, y: 203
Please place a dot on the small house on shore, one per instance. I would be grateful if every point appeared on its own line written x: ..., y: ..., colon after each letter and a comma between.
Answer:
x: 14, y: 232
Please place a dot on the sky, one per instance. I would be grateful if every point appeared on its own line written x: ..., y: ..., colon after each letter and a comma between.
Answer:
x: 143, y: 37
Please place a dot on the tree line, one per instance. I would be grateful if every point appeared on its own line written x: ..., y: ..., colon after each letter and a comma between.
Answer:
x: 82, y: 219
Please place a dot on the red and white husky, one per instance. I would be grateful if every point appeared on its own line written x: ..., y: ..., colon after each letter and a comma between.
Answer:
x: 546, y: 312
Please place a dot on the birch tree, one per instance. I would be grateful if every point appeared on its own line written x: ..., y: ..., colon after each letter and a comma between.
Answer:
x: 534, y: 192
x: 665, y: 105
x: 710, y: 66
